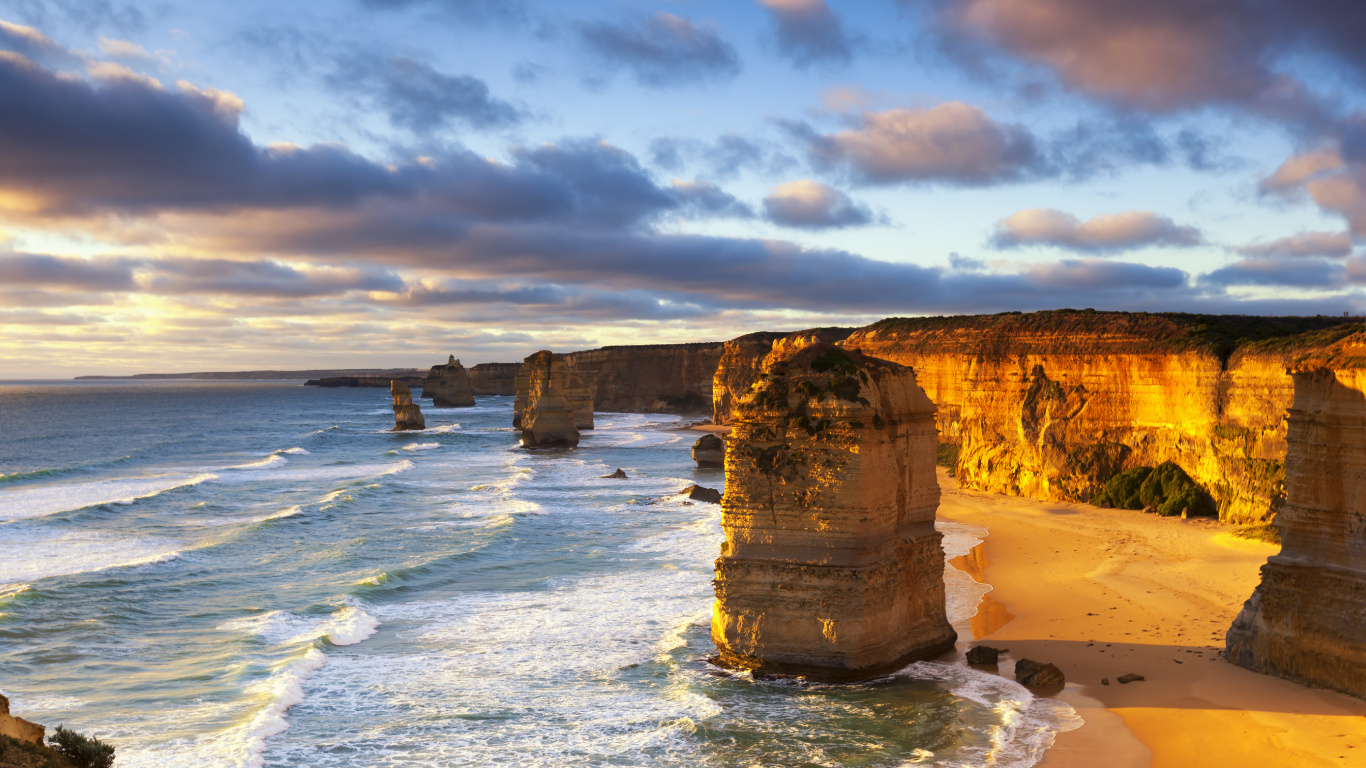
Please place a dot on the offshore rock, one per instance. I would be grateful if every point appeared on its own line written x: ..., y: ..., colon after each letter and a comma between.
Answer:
x: 407, y: 415
x: 449, y: 385
x: 542, y: 412
x: 18, y: 727
x: 709, y: 451
x: 551, y: 369
x: 620, y: 474
x: 495, y: 379
x: 1306, y: 621
x: 831, y: 568
x: 702, y: 494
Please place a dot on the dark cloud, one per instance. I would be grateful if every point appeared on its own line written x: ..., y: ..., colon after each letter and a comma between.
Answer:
x: 808, y: 204
x: 1331, y: 176
x: 663, y: 50
x: 417, y: 97
x: 1284, y: 273
x: 466, y: 10
x: 32, y: 44
x: 29, y: 269
x: 704, y: 199
x: 267, y: 279
x: 807, y: 32
x: 1305, y: 244
x: 1101, y: 234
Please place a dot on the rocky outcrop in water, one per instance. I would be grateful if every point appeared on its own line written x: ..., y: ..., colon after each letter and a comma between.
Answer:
x: 568, y: 385
x: 449, y: 385
x: 407, y: 415
x: 18, y: 727
x: 1307, y: 619
x: 495, y: 379
x: 831, y: 567
x: 709, y: 451
x: 543, y: 410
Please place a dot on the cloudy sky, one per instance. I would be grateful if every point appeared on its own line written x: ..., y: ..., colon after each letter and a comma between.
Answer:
x: 218, y: 186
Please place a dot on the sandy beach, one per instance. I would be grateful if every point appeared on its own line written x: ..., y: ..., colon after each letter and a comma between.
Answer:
x: 1101, y: 593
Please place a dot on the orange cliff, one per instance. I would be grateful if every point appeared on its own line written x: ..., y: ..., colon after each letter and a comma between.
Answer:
x: 1051, y: 404
x: 547, y: 373
x: 831, y: 568
x: 1306, y: 621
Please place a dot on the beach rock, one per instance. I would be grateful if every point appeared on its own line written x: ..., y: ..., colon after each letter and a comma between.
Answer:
x: 407, y: 415
x: 449, y: 385
x: 699, y: 493
x: 831, y: 568
x: 545, y: 417
x: 552, y: 371
x: 1129, y: 678
x: 18, y: 727
x: 494, y: 379
x: 709, y: 451
x: 1105, y: 681
x: 1034, y: 674
x: 1306, y: 621
x: 620, y: 474
x: 983, y: 654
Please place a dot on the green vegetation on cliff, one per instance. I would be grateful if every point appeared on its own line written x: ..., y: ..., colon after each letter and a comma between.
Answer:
x: 1167, y: 489
x: 83, y: 751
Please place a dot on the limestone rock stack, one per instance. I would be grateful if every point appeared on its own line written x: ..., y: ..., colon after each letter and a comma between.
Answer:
x: 1307, y: 619
x: 831, y: 568
x: 406, y: 413
x: 542, y: 411
x: 449, y: 385
x: 709, y: 451
x: 568, y: 384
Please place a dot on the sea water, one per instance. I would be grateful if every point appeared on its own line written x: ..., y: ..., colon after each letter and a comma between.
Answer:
x: 251, y: 574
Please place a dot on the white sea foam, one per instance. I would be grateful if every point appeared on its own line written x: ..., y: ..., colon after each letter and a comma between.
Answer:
x: 444, y: 429
x: 287, y: 512
x: 421, y: 446
x: 347, y: 625
x: 27, y: 502
x: 269, y: 462
x: 48, y: 554
x: 963, y: 594
x: 297, y: 452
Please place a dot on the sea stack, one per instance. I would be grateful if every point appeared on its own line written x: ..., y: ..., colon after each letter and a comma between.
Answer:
x: 831, y: 568
x: 568, y: 384
x: 709, y: 452
x: 1307, y: 619
x: 406, y: 413
x: 449, y: 385
x: 542, y: 411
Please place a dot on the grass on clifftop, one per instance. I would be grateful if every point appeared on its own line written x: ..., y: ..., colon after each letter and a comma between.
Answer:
x: 24, y: 754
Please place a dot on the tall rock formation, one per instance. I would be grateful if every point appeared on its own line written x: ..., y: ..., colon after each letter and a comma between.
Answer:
x: 495, y: 379
x: 449, y: 385
x: 568, y: 385
x: 406, y: 413
x: 544, y: 414
x: 744, y: 358
x: 1307, y: 619
x: 831, y: 568
x: 649, y: 378
x: 1052, y: 404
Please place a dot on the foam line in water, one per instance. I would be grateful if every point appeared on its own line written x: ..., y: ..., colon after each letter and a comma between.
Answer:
x: 273, y: 460
x: 284, y: 689
x: 421, y: 446
x: 47, y: 555
x: 25, y: 503
x: 297, y: 452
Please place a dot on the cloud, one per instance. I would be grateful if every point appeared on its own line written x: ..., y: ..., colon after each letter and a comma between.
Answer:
x: 723, y: 158
x: 1164, y: 55
x: 1335, y: 245
x: 32, y: 44
x: 953, y: 143
x: 1101, y: 234
x: 811, y: 205
x: 417, y: 97
x: 663, y: 51
x: 807, y: 32
x: 30, y: 269
x: 125, y: 49
x: 467, y: 10
x: 705, y: 198
x: 1284, y: 273
x: 1331, y: 176
x: 266, y: 279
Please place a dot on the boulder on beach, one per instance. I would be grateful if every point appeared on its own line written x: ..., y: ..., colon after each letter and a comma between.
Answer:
x: 1129, y: 678
x: 709, y: 451
x: 984, y: 654
x: 407, y: 416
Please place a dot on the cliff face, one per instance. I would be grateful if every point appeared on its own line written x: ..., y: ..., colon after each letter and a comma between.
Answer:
x: 544, y: 413
x: 449, y: 385
x: 1307, y: 619
x: 494, y: 379
x: 406, y: 413
x: 744, y: 358
x: 18, y: 727
x: 649, y: 378
x: 548, y: 369
x: 831, y: 568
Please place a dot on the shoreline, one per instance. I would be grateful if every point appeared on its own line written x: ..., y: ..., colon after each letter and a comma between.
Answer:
x: 1103, y: 592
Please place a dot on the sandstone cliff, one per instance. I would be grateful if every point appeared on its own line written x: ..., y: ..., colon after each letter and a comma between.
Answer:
x: 495, y: 379
x: 407, y: 415
x: 18, y: 727
x: 449, y: 385
x: 831, y: 568
x: 543, y: 412
x: 742, y: 360
x: 1052, y: 404
x: 1307, y: 619
x: 546, y: 366
x: 649, y: 378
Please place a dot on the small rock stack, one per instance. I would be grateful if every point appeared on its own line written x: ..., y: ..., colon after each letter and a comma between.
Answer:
x: 449, y: 385
x: 407, y: 415
x: 542, y: 411
x: 709, y: 452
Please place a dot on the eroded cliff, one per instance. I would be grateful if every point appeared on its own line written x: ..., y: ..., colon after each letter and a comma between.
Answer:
x: 649, y: 378
x: 495, y: 379
x: 831, y: 568
x: 742, y: 360
x: 552, y: 375
x: 449, y: 385
x: 1307, y: 619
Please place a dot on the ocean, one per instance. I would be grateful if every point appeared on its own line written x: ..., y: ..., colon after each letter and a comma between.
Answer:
x: 248, y: 574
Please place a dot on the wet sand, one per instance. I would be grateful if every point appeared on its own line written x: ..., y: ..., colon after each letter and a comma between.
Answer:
x: 1101, y: 593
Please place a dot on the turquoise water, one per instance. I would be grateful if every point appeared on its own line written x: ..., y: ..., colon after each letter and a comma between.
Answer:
x: 259, y: 574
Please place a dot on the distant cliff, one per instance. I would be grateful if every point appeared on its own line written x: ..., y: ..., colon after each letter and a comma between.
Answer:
x: 1051, y: 404
x: 649, y: 378
x: 495, y: 378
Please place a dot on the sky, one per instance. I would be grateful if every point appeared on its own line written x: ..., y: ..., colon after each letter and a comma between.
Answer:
x: 192, y: 186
